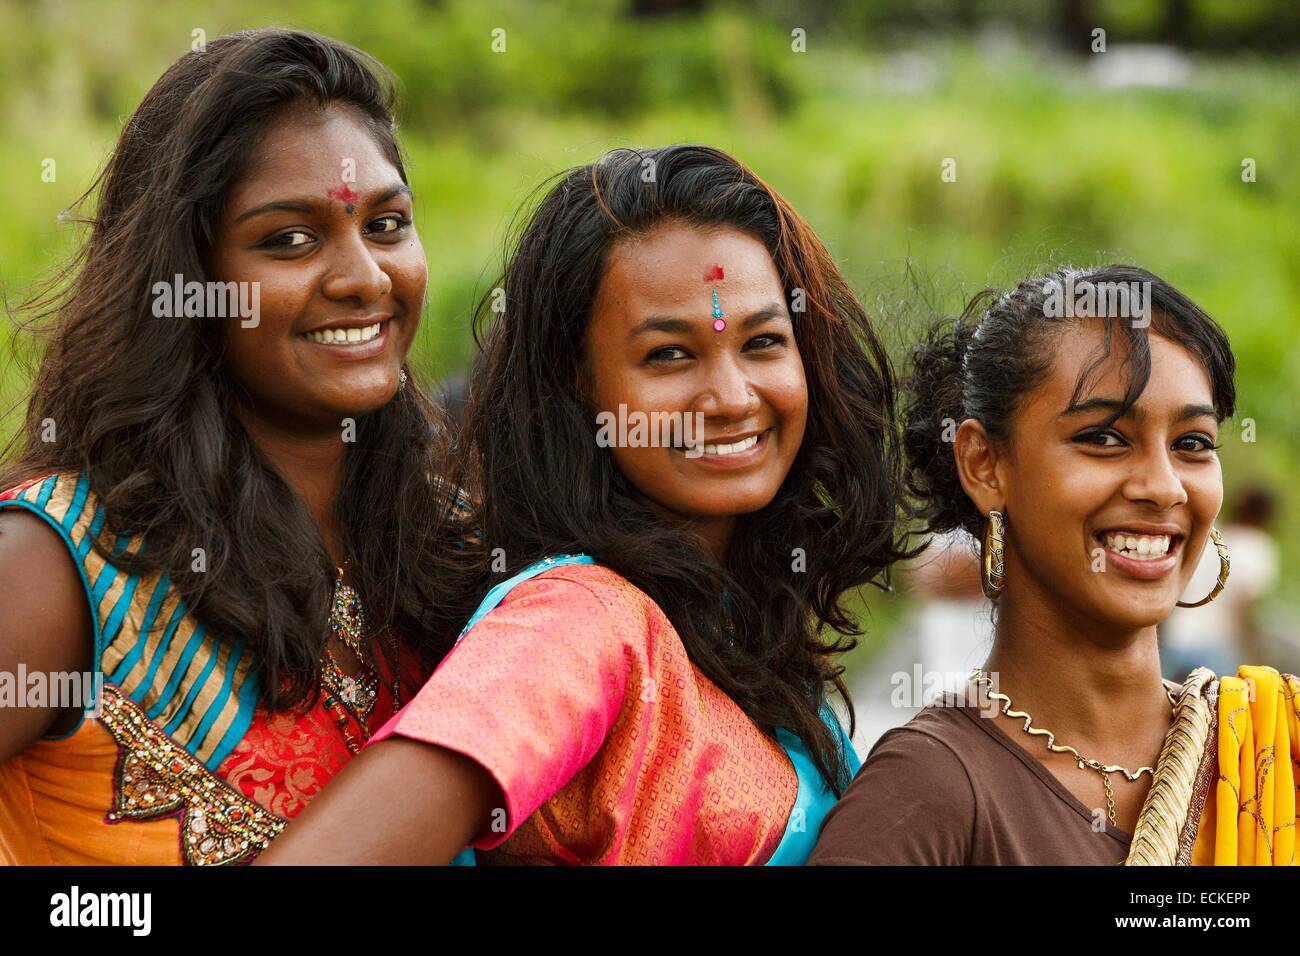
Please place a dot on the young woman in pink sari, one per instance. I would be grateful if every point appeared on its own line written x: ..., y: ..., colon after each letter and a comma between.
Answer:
x: 681, y: 435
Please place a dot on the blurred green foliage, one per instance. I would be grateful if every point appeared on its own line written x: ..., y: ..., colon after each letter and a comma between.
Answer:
x: 1053, y: 164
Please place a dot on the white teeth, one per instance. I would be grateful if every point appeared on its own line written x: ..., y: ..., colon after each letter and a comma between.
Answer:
x: 344, y: 336
x: 1141, y: 547
x: 743, y: 445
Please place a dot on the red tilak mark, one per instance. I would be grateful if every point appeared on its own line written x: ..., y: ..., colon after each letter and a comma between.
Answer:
x: 343, y: 194
x: 714, y: 275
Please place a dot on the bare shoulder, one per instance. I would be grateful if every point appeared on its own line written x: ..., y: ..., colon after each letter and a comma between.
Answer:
x: 45, y: 622
x: 41, y: 576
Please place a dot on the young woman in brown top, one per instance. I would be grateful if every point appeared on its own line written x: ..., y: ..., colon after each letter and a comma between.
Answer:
x: 1087, y: 446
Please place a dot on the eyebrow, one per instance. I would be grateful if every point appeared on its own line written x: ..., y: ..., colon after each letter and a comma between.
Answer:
x: 1135, y: 413
x: 658, y: 323
x: 312, y: 205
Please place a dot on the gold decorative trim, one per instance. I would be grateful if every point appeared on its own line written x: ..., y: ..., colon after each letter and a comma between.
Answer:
x: 1158, y: 837
x: 156, y: 778
x: 1207, y: 775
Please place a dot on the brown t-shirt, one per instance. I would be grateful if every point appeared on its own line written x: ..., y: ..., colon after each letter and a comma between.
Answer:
x: 949, y: 788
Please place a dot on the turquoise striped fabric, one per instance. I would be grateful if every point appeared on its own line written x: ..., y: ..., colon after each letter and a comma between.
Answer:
x: 197, y: 686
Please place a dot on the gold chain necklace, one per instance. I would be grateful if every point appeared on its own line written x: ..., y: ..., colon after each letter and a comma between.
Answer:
x: 979, y: 676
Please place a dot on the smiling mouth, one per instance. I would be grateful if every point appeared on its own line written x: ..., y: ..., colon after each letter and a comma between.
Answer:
x: 735, y: 448
x: 352, y: 336
x: 733, y: 453
x: 1139, y: 547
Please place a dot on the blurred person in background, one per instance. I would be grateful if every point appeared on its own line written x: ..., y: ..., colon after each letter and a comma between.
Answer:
x: 952, y: 622
x: 1228, y: 629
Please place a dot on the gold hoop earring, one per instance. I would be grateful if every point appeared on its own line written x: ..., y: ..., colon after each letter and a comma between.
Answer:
x: 1225, y: 565
x: 992, y: 569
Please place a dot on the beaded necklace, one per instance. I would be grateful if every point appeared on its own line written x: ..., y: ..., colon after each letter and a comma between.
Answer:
x: 354, y: 696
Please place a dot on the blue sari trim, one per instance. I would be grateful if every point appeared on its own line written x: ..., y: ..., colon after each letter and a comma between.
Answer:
x: 200, y: 690
x: 814, y: 799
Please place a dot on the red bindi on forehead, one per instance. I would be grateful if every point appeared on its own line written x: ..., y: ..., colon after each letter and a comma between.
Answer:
x: 344, y: 195
x: 714, y: 275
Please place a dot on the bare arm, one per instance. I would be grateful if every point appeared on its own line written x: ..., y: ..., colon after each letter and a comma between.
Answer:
x: 44, y: 622
x: 399, y: 802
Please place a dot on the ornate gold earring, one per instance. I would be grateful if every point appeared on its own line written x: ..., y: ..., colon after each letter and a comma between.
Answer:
x: 992, y: 570
x: 401, y: 379
x: 1225, y: 565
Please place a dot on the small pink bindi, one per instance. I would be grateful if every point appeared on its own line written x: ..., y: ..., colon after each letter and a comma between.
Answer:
x: 719, y: 325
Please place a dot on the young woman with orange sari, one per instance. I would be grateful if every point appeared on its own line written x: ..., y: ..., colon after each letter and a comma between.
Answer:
x: 222, y: 513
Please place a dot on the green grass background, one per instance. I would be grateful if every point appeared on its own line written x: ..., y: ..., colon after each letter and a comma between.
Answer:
x: 1052, y: 166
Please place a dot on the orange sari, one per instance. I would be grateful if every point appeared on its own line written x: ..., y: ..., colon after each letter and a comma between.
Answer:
x: 178, y: 761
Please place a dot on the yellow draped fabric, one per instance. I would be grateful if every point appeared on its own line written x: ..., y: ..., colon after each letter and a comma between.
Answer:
x: 1250, y: 821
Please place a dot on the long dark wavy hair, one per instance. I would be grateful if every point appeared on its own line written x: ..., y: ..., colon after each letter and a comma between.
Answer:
x: 547, y: 488
x: 143, y: 406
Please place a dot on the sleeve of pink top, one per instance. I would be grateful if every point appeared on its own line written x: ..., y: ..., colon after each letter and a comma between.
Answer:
x: 530, y: 693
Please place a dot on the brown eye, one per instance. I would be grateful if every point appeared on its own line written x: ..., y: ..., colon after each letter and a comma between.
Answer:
x: 1202, y: 443
x: 295, y: 237
x: 770, y: 340
x: 1101, y: 438
x: 389, y: 224
x: 669, y: 353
